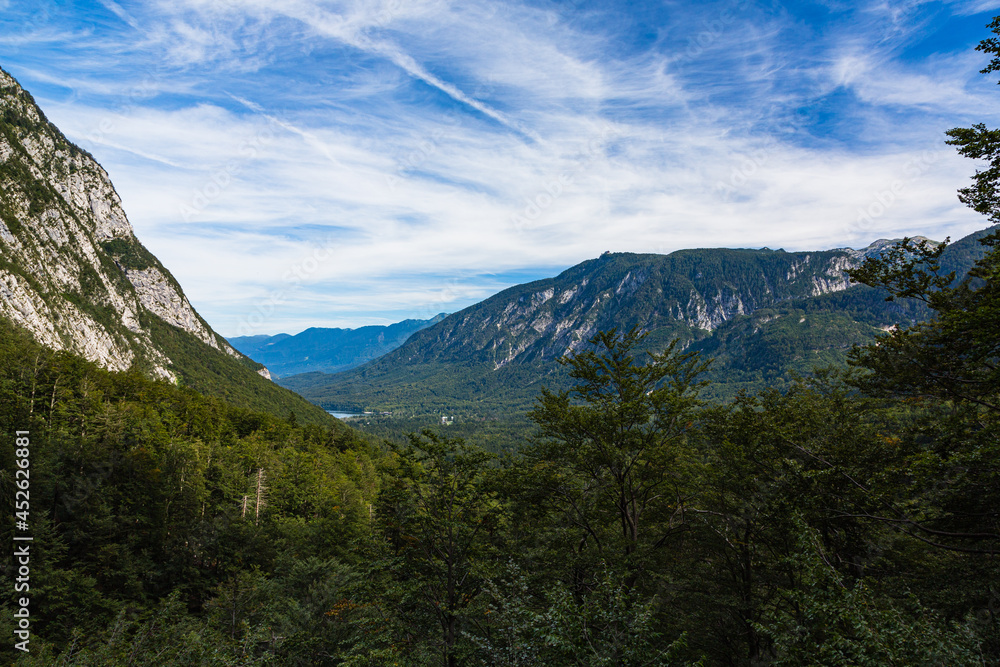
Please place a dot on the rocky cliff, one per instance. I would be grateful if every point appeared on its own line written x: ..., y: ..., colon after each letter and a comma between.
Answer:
x: 71, y: 269
x: 689, y: 289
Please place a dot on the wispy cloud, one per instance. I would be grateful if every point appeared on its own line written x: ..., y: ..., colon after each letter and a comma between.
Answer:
x: 347, y: 163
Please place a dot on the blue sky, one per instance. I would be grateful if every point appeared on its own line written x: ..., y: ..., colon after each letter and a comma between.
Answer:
x: 309, y: 163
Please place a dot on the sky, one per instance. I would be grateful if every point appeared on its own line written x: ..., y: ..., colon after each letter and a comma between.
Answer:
x: 299, y: 163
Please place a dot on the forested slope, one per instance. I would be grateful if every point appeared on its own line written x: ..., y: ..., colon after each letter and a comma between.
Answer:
x: 150, y: 502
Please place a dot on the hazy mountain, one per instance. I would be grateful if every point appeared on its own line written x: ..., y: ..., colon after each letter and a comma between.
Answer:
x: 73, y: 274
x: 327, y: 350
x: 760, y: 313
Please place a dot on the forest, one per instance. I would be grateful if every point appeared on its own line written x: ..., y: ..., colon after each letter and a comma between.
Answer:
x: 851, y: 519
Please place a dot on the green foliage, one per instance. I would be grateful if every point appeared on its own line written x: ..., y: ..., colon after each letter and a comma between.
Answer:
x: 17, y: 177
x: 810, y: 525
x: 438, y: 526
x: 612, y: 625
x: 170, y: 636
x: 129, y: 254
x: 10, y: 220
x: 145, y: 496
x: 30, y: 190
x: 488, y: 405
x: 609, y: 451
x: 639, y: 529
x: 980, y: 143
x: 955, y: 356
x: 831, y: 621
x: 236, y: 381
x: 835, y: 519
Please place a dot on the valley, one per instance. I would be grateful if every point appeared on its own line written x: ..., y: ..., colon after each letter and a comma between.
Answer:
x: 762, y: 316
x: 712, y: 457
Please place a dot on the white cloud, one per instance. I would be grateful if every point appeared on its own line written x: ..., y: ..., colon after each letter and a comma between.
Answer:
x: 968, y: 8
x: 425, y: 150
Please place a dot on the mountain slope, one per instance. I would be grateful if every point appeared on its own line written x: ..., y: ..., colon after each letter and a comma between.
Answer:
x: 759, y: 313
x: 689, y: 289
x: 327, y: 350
x: 73, y: 274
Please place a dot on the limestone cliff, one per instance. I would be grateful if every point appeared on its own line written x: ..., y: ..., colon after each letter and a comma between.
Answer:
x: 685, y: 291
x: 71, y: 269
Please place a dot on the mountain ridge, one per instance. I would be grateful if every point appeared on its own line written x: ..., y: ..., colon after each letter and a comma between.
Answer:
x: 575, y: 304
x: 328, y: 350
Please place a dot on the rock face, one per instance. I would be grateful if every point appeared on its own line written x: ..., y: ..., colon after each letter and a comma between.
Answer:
x: 71, y: 270
x: 688, y: 289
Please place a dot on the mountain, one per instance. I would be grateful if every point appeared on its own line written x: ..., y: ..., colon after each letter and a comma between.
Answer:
x: 74, y: 275
x: 327, y: 350
x: 759, y: 313
x: 688, y: 290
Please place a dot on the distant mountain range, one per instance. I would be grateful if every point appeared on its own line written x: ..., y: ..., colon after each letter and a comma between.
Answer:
x: 74, y: 275
x: 761, y: 314
x: 327, y: 350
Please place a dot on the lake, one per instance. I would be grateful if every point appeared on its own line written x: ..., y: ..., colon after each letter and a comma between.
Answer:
x: 345, y: 415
